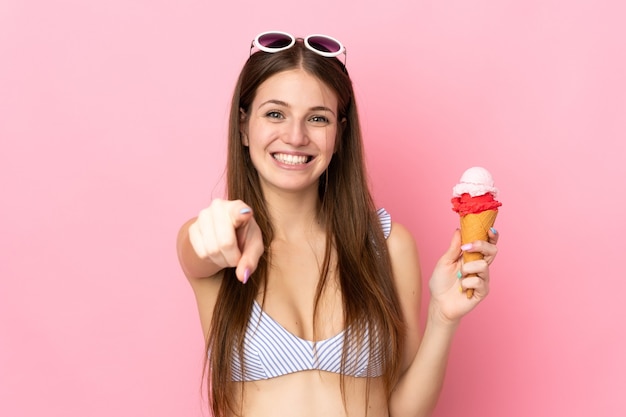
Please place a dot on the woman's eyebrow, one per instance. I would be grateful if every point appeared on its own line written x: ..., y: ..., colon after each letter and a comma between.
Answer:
x: 284, y: 104
x: 273, y: 101
x: 323, y: 108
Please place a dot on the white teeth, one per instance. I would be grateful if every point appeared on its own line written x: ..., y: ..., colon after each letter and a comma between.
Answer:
x: 291, y: 159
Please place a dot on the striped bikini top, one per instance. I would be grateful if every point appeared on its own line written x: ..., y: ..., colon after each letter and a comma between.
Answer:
x: 271, y: 351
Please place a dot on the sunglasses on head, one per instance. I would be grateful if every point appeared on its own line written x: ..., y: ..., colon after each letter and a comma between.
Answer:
x: 275, y: 41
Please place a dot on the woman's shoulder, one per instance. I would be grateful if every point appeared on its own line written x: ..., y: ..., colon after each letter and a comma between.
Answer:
x: 400, y: 232
x: 399, y: 239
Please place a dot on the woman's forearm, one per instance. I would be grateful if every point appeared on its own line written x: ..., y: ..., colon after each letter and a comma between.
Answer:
x: 418, y: 389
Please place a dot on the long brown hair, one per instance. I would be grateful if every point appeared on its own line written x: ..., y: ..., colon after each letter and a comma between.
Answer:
x: 353, y: 230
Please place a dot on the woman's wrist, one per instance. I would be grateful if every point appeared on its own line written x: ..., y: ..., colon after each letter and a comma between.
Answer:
x: 437, y: 318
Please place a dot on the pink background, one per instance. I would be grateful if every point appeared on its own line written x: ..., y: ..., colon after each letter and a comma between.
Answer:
x: 112, y: 127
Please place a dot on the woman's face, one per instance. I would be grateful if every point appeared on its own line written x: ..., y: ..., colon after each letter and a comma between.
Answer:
x: 291, y: 130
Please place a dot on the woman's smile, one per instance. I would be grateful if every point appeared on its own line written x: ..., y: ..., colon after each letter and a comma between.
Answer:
x: 291, y: 159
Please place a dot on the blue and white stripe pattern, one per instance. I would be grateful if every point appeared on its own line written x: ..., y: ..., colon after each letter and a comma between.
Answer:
x: 270, y: 350
x: 385, y: 221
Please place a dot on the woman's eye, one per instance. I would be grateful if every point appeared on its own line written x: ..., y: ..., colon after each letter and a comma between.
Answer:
x: 274, y: 115
x: 319, y: 119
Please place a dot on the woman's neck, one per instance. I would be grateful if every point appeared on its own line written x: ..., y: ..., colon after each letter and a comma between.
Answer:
x: 293, y: 215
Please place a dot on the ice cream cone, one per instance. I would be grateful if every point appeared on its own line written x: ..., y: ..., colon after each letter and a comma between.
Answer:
x: 475, y: 226
x: 474, y: 199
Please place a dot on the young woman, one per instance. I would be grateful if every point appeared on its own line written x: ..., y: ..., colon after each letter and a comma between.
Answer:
x: 309, y: 297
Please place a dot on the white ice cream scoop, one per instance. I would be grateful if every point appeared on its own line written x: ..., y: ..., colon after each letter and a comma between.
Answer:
x: 475, y: 181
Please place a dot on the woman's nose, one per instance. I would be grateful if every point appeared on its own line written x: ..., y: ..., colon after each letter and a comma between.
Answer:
x: 296, y: 134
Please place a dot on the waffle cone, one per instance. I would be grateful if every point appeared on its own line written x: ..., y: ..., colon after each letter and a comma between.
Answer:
x: 475, y: 226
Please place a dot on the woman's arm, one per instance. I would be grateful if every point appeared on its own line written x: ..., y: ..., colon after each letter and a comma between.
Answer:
x: 223, y: 235
x: 418, y: 389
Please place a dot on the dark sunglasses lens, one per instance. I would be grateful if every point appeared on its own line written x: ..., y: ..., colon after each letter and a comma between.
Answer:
x: 274, y: 40
x: 324, y: 44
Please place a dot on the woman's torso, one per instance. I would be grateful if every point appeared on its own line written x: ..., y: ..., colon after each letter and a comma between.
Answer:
x: 288, y: 299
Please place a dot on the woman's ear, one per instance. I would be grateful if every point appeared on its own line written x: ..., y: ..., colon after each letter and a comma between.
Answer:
x: 243, y: 127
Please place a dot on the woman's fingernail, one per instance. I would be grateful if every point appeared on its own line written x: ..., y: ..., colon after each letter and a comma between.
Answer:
x: 467, y: 246
x: 246, y: 275
x: 459, y: 275
x: 245, y: 210
x: 494, y: 231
